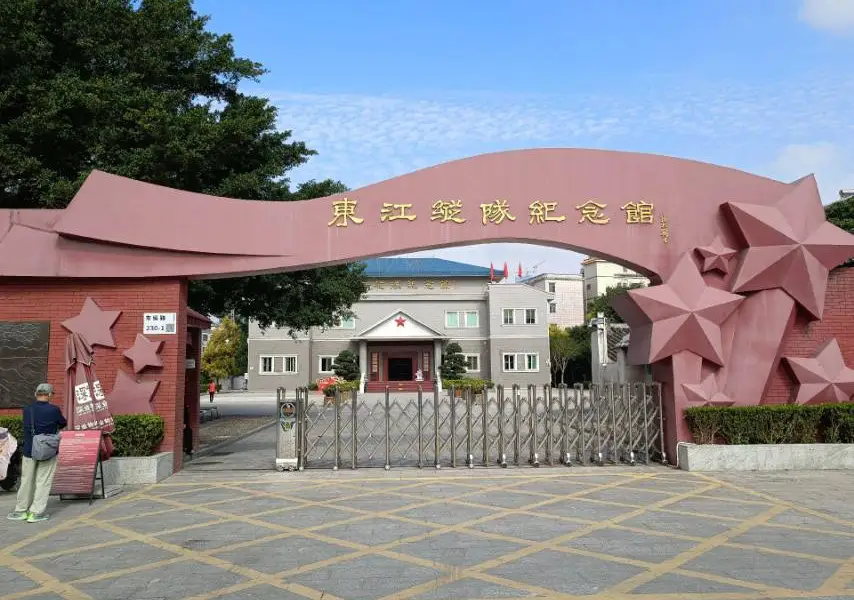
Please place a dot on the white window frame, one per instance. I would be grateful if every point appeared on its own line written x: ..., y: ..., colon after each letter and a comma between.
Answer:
x: 476, y: 356
x: 462, y: 322
x: 273, y: 358
x: 320, y: 358
x: 520, y: 316
x: 341, y: 323
x: 520, y: 358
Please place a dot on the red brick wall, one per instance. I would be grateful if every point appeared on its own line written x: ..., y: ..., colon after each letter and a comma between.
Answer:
x: 802, y: 341
x: 56, y: 301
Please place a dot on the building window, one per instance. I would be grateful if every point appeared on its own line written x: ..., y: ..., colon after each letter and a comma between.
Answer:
x: 522, y: 362
x: 348, y: 323
x: 472, y: 362
x: 551, y: 287
x: 457, y: 319
x: 514, y: 316
x: 552, y: 307
x: 326, y: 363
x: 276, y: 365
x: 205, y: 338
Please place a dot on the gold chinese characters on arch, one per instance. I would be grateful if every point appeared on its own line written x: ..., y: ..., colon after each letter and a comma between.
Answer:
x: 346, y: 211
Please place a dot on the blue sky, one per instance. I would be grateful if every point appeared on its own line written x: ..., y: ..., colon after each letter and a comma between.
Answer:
x: 385, y: 87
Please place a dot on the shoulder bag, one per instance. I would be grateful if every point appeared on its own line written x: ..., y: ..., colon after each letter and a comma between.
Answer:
x: 45, y: 445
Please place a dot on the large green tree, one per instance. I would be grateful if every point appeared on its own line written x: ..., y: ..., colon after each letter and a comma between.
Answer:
x: 141, y: 88
x: 603, y: 303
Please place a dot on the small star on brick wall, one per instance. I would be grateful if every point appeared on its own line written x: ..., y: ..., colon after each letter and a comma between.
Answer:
x: 824, y: 377
x: 144, y: 353
x: 132, y: 397
x: 94, y: 324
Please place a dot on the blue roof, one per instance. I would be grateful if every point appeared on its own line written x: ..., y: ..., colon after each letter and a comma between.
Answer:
x: 422, y: 267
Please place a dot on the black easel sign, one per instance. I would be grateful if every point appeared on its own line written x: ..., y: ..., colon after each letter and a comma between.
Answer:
x: 78, y: 463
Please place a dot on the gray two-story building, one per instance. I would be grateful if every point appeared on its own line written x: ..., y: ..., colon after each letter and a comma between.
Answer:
x: 414, y: 308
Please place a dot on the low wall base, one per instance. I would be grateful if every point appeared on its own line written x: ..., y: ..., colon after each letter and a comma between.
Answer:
x: 765, y: 457
x: 136, y: 470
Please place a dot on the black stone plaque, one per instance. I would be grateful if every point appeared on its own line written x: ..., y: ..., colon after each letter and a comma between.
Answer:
x: 24, y: 348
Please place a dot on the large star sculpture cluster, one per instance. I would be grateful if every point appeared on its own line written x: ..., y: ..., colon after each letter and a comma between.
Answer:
x: 824, y: 377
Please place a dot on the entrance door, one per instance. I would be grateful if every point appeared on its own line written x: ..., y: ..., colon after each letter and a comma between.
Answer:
x: 400, y: 369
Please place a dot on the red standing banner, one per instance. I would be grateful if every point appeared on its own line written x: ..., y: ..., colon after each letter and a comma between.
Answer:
x: 78, y: 463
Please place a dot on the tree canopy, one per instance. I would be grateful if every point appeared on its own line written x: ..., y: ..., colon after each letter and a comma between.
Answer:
x: 220, y: 358
x: 141, y: 88
x: 453, y: 365
x: 602, y: 304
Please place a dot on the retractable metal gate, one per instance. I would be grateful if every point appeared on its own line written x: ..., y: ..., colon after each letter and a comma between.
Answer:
x: 607, y: 424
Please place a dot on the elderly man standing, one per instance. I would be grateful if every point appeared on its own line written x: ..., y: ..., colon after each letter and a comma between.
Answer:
x: 40, y: 417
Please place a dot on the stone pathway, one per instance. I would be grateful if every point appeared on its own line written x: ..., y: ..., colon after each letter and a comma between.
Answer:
x: 616, y: 533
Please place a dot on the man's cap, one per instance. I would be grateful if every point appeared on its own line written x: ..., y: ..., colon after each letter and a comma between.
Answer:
x: 44, y: 389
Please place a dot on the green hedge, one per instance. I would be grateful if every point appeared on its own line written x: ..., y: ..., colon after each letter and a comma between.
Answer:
x: 345, y: 387
x: 135, y: 435
x: 773, y: 424
x: 477, y: 385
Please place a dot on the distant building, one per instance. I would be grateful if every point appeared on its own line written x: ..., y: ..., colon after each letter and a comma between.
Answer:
x: 566, y: 309
x: 414, y: 308
x: 599, y: 275
x: 609, y: 345
x: 846, y: 194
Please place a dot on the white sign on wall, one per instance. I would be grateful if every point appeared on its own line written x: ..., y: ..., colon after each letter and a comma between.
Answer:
x: 159, y: 323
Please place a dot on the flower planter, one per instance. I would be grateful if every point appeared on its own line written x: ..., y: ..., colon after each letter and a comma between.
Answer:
x: 765, y: 457
x: 137, y: 470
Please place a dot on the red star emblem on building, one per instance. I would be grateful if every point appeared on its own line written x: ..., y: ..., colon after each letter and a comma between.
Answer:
x: 131, y: 397
x: 684, y: 313
x: 144, y: 353
x: 824, y: 377
x: 791, y: 246
x: 716, y: 256
x: 400, y: 321
x: 94, y: 324
x: 706, y: 393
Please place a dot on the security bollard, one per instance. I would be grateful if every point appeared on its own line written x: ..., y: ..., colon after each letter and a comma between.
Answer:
x: 286, y: 432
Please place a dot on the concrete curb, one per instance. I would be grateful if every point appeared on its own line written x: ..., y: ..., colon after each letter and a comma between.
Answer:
x: 223, y: 444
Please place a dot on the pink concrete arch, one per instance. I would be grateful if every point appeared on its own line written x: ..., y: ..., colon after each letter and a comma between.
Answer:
x: 736, y: 255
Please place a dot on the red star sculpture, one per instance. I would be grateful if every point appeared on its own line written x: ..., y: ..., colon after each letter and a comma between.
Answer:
x: 716, y: 256
x: 681, y: 314
x: 824, y: 377
x: 706, y: 393
x: 94, y: 324
x: 400, y: 321
x: 791, y: 246
x: 131, y: 397
x: 143, y: 353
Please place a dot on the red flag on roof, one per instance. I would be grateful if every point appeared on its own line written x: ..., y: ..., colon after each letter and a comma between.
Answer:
x: 506, y: 271
x: 520, y: 271
x: 491, y: 272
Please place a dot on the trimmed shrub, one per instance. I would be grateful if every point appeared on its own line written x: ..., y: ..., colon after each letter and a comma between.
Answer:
x: 345, y: 387
x: 135, y: 435
x: 477, y: 385
x: 773, y: 424
x: 346, y: 366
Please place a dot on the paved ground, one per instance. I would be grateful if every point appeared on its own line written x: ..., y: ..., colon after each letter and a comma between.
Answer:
x: 615, y: 533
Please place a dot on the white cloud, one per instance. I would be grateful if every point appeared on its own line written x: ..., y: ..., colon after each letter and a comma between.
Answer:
x: 832, y: 164
x: 836, y: 16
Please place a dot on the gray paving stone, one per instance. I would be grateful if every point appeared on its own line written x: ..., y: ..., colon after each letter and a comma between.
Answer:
x: 253, y: 506
x: 711, y: 506
x: 628, y: 544
x: 558, y: 487
x: 310, y: 516
x: 88, y: 563
x: 759, y: 567
x: 165, y: 489
x: 178, y: 580
x: 701, y: 527
x: 674, y: 583
x: 47, y: 596
x: 503, y: 499
x: 580, y: 575
x: 627, y: 496
x: 456, y: 549
x: 578, y: 508
x: 678, y: 485
x: 438, y: 490
x: 445, y: 513
x: 322, y: 494
x: 14, y: 582
x: 67, y: 539
x: 208, y: 537
x: 277, y: 556
x: 365, y: 577
x: 379, y: 502
x: 209, y: 495
x: 262, y: 592
x: 375, y: 531
x: 528, y: 527
x: 803, y: 542
x: 471, y: 588
x: 802, y: 519
x: 131, y: 508
x: 165, y: 521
